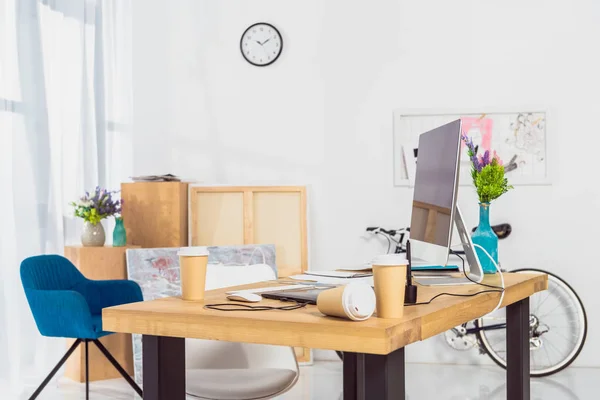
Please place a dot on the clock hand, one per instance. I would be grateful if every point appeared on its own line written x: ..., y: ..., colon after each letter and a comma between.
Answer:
x: 258, y: 42
x: 265, y: 41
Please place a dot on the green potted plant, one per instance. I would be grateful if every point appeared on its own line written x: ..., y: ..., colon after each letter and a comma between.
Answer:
x: 93, y: 208
x: 487, y: 172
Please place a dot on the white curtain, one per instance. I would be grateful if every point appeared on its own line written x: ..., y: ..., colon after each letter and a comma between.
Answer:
x: 65, y: 127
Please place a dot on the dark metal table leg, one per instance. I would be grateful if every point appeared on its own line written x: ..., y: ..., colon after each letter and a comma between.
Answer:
x: 164, y: 368
x: 354, y: 376
x: 385, y: 376
x: 517, y: 351
x: 374, y: 377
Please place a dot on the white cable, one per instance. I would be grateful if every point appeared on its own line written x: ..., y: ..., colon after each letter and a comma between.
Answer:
x: 501, y: 277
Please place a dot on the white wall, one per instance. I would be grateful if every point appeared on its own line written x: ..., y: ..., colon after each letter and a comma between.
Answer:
x: 322, y: 114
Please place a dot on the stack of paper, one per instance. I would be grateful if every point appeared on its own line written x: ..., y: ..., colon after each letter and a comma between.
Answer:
x: 156, y: 178
x: 327, y: 278
x: 339, y: 274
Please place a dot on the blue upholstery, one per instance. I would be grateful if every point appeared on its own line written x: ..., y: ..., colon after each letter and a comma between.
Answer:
x: 65, y: 303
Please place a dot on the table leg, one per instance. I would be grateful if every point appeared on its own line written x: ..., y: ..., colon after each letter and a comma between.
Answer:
x: 354, y: 376
x: 164, y: 368
x: 517, y: 350
x: 374, y: 377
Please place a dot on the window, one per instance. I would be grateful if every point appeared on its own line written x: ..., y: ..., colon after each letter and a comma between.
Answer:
x: 10, y: 94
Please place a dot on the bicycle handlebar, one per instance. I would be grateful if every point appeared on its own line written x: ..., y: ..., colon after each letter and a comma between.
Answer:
x: 391, y: 232
x: 501, y: 230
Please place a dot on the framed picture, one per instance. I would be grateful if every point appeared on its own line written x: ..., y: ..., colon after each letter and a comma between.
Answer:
x: 518, y: 136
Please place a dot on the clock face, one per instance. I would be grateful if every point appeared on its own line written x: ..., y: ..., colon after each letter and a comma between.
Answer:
x: 261, y: 44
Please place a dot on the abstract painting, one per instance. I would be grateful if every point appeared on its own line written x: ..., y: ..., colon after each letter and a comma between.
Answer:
x: 519, y: 137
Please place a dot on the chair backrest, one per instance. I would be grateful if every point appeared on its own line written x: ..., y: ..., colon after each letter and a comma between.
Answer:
x: 208, y: 354
x: 49, y: 272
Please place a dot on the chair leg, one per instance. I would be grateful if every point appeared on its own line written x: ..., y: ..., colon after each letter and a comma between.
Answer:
x: 55, y: 370
x: 119, y: 368
x: 87, y: 370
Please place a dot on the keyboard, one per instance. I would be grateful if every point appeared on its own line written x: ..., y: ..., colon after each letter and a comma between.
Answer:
x: 273, y: 289
x: 439, y: 281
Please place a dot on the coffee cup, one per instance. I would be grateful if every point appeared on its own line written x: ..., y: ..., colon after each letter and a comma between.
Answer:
x: 355, y: 301
x: 389, y: 276
x: 192, y: 263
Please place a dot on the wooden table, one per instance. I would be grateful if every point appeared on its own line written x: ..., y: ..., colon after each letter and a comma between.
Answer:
x: 374, y: 349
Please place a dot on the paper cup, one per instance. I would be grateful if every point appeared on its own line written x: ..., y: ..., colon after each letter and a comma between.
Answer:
x: 192, y: 263
x: 389, y: 276
x: 355, y: 301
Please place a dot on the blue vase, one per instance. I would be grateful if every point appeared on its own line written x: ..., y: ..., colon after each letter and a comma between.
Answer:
x: 485, y: 237
x: 119, y: 234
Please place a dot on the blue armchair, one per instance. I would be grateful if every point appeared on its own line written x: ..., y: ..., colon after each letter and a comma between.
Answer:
x: 66, y: 304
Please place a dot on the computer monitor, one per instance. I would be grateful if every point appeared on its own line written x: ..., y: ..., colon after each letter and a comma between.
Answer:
x: 435, y: 192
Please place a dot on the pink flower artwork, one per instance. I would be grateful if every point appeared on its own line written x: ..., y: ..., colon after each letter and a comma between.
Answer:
x: 479, y: 130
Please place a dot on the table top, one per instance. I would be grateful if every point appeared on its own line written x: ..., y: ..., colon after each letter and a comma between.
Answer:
x: 307, y: 327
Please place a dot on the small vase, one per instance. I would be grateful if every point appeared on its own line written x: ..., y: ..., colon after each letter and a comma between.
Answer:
x: 485, y: 237
x: 93, y: 235
x: 119, y: 234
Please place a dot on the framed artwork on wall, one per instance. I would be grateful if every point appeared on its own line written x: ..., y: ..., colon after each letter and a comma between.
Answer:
x: 519, y: 136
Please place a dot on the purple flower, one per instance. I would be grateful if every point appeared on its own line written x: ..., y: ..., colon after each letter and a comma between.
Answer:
x: 469, y: 142
x: 476, y: 164
x: 486, y: 158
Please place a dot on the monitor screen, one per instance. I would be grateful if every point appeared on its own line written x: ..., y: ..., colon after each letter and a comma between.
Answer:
x: 436, y: 182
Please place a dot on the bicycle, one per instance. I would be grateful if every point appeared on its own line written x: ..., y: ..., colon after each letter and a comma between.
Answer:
x: 558, y: 319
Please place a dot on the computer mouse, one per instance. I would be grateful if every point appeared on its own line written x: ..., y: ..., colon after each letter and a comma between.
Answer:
x: 245, y: 297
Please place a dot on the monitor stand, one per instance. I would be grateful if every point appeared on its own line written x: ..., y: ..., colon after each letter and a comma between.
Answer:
x: 475, y: 271
x: 472, y: 267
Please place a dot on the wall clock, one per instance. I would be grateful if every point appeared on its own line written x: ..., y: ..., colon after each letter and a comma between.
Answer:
x: 261, y: 44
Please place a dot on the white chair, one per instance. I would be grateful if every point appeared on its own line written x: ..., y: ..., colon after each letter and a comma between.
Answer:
x: 238, y: 371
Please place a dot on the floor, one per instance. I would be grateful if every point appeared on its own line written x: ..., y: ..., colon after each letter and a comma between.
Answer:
x: 323, y: 380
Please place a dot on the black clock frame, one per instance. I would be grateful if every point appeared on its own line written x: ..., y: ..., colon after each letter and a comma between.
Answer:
x: 242, y: 44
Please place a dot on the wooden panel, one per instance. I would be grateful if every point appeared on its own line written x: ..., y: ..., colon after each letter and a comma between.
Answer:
x: 228, y: 215
x: 155, y: 214
x: 277, y: 220
x: 308, y: 328
x: 100, y: 263
x: 254, y: 189
x: 249, y: 217
x: 217, y: 219
x: 303, y: 355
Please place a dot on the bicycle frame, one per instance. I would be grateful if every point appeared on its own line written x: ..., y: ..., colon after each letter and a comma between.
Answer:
x: 477, y: 329
x: 457, y: 336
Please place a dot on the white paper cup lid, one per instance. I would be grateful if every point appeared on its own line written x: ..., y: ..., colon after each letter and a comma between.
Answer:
x: 390, y: 259
x: 358, y: 301
x: 195, y: 251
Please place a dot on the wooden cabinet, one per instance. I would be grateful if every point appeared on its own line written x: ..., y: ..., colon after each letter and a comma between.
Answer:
x: 155, y: 214
x: 100, y: 263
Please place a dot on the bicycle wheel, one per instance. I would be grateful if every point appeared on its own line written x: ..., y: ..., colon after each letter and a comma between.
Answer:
x: 557, y: 328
